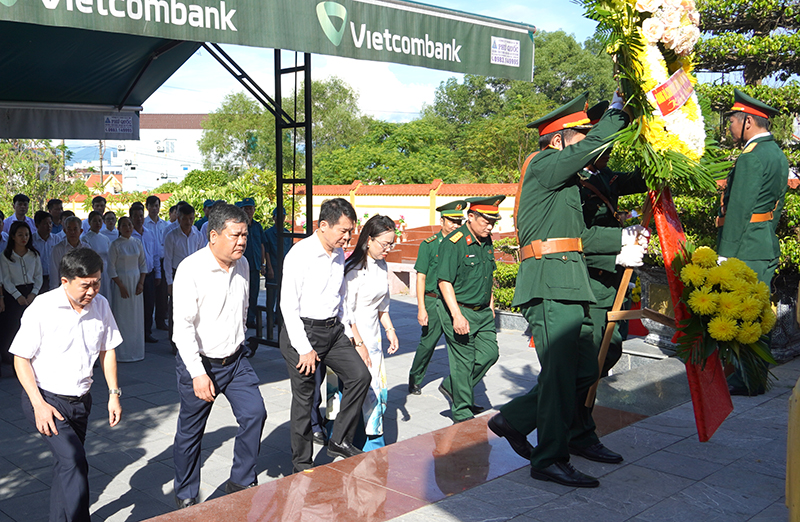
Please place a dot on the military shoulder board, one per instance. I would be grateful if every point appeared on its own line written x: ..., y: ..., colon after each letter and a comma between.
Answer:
x: 749, y: 148
x: 455, y: 237
x: 430, y: 239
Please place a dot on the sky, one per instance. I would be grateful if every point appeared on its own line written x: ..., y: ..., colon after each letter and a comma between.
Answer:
x: 386, y: 91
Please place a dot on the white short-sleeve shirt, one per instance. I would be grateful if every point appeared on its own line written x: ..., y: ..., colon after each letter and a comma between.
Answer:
x: 62, y: 343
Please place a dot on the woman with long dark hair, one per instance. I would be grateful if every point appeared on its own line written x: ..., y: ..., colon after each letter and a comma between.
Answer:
x: 367, y: 303
x: 21, y: 271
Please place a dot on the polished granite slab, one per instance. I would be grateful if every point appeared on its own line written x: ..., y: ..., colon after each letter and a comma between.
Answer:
x: 384, y: 483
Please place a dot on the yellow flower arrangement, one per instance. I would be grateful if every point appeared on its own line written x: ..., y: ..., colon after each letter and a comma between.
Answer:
x: 705, y: 257
x: 730, y: 311
x: 693, y: 275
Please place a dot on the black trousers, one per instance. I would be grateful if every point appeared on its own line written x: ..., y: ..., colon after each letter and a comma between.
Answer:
x: 317, y: 422
x: 149, y: 301
x: 69, y: 493
x: 335, y: 350
x: 239, y: 383
x: 162, y: 300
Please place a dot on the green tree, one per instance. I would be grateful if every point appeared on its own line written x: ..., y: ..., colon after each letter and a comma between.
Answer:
x: 34, y: 168
x: 239, y: 135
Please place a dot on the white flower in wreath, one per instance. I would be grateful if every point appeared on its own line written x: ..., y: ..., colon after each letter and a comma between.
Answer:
x: 694, y: 17
x: 670, y: 17
x: 688, y: 5
x: 647, y: 6
x: 676, y: 4
x: 670, y: 36
x: 687, y: 39
x: 652, y: 30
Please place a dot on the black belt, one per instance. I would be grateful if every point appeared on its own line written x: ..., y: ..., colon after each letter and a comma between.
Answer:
x: 475, y: 308
x: 330, y: 322
x: 432, y: 294
x: 68, y: 398
x: 225, y: 361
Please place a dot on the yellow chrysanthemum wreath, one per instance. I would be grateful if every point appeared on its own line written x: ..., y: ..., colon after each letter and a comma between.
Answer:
x: 730, y: 310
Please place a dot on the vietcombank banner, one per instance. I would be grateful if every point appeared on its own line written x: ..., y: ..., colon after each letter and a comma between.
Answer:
x: 389, y: 31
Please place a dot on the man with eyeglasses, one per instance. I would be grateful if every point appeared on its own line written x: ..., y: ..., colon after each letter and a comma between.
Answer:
x: 466, y: 275
x: 428, y: 297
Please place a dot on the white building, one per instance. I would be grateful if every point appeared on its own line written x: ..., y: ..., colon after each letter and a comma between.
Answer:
x: 166, y: 151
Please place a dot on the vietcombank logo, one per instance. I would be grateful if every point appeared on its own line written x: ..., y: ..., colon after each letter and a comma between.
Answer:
x: 8, y: 3
x: 169, y: 12
x: 331, y: 14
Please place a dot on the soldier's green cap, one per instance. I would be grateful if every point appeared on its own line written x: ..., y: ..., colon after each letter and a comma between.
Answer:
x: 488, y: 206
x: 453, y: 209
x: 569, y: 116
x: 747, y: 104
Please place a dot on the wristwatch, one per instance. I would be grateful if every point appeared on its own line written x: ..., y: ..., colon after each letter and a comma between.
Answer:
x: 359, y: 343
x: 115, y: 391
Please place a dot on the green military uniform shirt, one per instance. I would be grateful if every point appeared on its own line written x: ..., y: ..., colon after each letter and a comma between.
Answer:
x: 468, y: 264
x: 428, y: 261
x: 755, y: 184
x: 604, y: 272
x: 551, y: 208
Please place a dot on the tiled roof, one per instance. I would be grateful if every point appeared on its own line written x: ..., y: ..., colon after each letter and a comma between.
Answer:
x: 79, y: 198
x: 399, y: 190
x: 171, y: 121
x: 94, y: 179
x: 478, y: 189
x: 330, y: 190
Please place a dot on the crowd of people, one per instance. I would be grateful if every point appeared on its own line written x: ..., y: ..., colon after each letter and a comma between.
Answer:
x: 202, y: 278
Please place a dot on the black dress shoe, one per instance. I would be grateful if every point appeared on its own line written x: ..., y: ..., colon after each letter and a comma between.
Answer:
x: 342, y: 449
x: 519, y: 443
x: 476, y: 410
x: 162, y: 326
x: 598, y: 453
x: 233, y: 487
x: 743, y: 391
x: 563, y: 473
x: 447, y: 394
x: 185, y: 502
x: 319, y: 438
x: 150, y: 339
x: 414, y: 389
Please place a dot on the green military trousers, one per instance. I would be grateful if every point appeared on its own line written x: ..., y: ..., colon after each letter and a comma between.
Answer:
x: 427, y: 342
x: 562, y: 332
x: 470, y: 356
x: 765, y: 270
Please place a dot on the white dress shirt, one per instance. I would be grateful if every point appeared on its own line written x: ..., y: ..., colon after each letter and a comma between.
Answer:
x: 177, y: 247
x: 3, y: 241
x: 61, y: 248
x: 9, y: 220
x: 110, y: 234
x: 210, y: 308
x: 62, y: 343
x: 313, y: 287
x: 21, y: 270
x: 150, y: 244
x: 159, y: 230
x: 45, y: 247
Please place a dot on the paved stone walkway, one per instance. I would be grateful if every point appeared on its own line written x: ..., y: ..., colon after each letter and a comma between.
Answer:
x: 667, y: 475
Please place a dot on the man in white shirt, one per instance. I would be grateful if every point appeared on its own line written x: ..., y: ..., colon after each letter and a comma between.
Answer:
x: 55, y: 207
x: 21, y: 203
x: 153, y: 278
x: 312, y: 305
x: 61, y: 336
x: 210, y: 293
x: 71, y: 241
x: 44, y: 241
x: 157, y: 227
x: 98, y: 205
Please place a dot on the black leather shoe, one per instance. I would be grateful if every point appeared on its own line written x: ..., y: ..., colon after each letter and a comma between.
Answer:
x: 414, y: 389
x: 185, y: 502
x: 233, y: 487
x: 447, y: 394
x: 563, y: 473
x: 519, y: 443
x: 598, y: 453
x: 476, y: 410
x: 743, y: 391
x: 162, y: 326
x: 150, y: 339
x: 319, y: 438
x: 342, y: 449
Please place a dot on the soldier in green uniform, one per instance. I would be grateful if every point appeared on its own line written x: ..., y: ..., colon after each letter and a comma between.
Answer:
x: 753, y: 199
x: 466, y: 275
x: 428, y: 302
x: 554, y: 293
